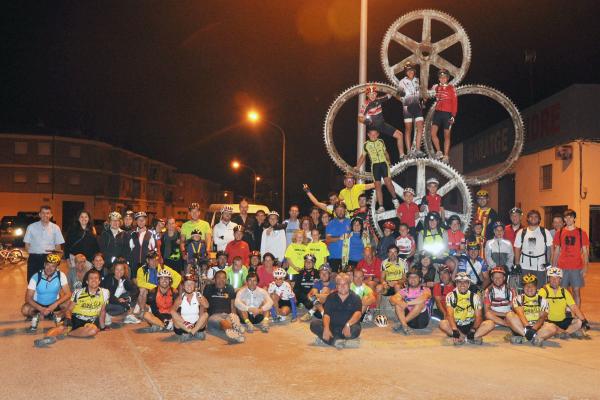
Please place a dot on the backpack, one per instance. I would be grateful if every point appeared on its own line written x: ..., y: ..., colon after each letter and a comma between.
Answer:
x: 562, y: 293
x: 479, y: 281
x: 39, y: 277
x: 454, y: 300
x: 561, y: 238
x: 543, y: 230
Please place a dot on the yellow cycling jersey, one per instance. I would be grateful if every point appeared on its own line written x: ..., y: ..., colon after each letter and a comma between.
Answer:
x: 394, y: 271
x: 559, y: 301
x: 350, y: 196
x: 463, y: 305
x: 532, y: 306
x: 89, y: 305
x: 376, y: 151
x: 147, y: 277
x: 361, y: 291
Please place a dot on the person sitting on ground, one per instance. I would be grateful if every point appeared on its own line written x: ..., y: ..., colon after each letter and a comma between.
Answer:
x: 560, y: 301
x: 427, y: 269
x: 406, y: 244
x: 305, y: 280
x: 147, y: 279
x: 85, y: 313
x: 254, y: 261
x: 123, y: 293
x: 387, y: 240
x: 236, y: 273
x: 371, y: 267
x: 254, y: 304
x: 440, y: 291
x: 475, y: 267
x: 498, y: 297
x: 394, y: 273
x: 160, y: 300
x: 284, y: 300
x: 341, y: 318
x: 364, y: 292
x: 411, y: 304
x: 98, y: 263
x: 195, y: 248
x: 223, y: 318
x: 319, y: 292
x: 76, y: 275
x: 47, y: 293
x: 238, y: 247
x: 265, y: 271
x: 464, y: 321
x: 221, y: 265
x: 527, y: 320
x: 189, y: 311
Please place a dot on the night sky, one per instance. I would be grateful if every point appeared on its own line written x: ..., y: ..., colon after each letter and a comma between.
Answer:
x: 173, y: 79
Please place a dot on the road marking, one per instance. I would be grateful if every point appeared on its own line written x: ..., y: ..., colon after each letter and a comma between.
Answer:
x: 142, y: 364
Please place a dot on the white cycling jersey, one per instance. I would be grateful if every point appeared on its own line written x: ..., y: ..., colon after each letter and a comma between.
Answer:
x: 412, y: 90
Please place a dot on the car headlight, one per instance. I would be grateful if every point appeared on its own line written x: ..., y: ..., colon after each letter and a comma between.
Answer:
x: 18, y: 232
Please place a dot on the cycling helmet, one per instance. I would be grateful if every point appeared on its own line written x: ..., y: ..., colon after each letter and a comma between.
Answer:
x: 53, y: 258
x: 349, y: 176
x: 370, y: 89
x: 196, y: 232
x: 473, y: 246
x: 129, y: 213
x: 554, y: 271
x: 310, y: 257
x: 409, y: 66
x: 279, y: 273
x: 152, y: 254
x: 498, y: 224
x: 226, y: 209
x: 462, y: 277
x: 516, y: 210
x: 389, y: 225
x: 194, y: 206
x: 433, y: 180
x: 164, y: 273
x: 409, y: 190
x: 190, y: 277
x: 381, y: 321
x: 498, y: 269
x: 433, y: 215
x: 443, y: 72
x: 114, y: 215
x: 140, y: 214
x: 239, y: 228
x: 326, y: 267
x: 255, y: 253
x: 482, y: 193
x: 273, y: 212
x: 529, y: 278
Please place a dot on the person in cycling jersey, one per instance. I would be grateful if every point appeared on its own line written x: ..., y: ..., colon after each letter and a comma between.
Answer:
x: 560, y: 301
x: 456, y: 237
x: 433, y: 202
x: 464, y: 320
x: 189, y: 311
x: 362, y: 290
x: 510, y: 231
x: 47, y: 293
x: 440, y: 290
x: 304, y: 281
x: 273, y: 237
x: 254, y: 305
x: 319, y: 292
x: 484, y: 213
x: 499, y: 251
x: 375, y: 149
x: 498, y: 297
x: 284, y: 300
x: 236, y: 273
x: 406, y: 243
x: 371, y: 114
x: 411, y: 305
x: 223, y: 231
x: 147, y: 279
x: 412, y: 109
x: 475, y: 267
x: 527, y: 320
x: 433, y: 238
x: 532, y: 247
x: 408, y: 211
x: 160, y: 300
x: 393, y: 276
x: 445, y: 111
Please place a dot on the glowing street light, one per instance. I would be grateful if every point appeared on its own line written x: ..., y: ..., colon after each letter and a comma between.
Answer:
x: 253, y: 116
x: 235, y: 165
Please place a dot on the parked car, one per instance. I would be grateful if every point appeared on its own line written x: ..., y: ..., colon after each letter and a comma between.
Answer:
x: 13, y: 227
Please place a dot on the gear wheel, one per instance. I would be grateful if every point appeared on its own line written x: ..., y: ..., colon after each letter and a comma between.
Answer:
x: 455, y: 181
x: 330, y: 118
x: 426, y: 53
x: 519, y: 128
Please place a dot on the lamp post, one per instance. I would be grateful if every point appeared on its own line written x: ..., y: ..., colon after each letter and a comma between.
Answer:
x: 236, y: 165
x: 254, y: 117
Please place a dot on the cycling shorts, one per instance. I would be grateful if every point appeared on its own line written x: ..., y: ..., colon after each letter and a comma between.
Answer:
x: 378, y: 124
x: 442, y: 119
x: 413, y: 111
x: 380, y: 171
x: 564, y: 324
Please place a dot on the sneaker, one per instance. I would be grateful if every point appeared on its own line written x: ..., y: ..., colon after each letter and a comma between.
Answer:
x: 107, y: 320
x: 368, y: 316
x: 397, y: 327
x: 131, y: 319
x: 412, y: 154
x: 339, y: 344
x: 320, y: 342
x: 402, y: 157
x: 200, y: 335
x: 249, y: 327
x: 44, y: 342
x: 578, y: 334
x: 264, y: 325
x: 234, y: 336
x: 459, y: 342
x: 280, y: 319
x: 446, y: 159
x: 306, y: 317
x: 396, y: 203
x: 352, y: 343
x: 563, y: 336
x: 35, y: 320
x: 478, y: 341
x: 514, y: 339
x: 420, y: 154
x: 380, y: 210
x: 169, y: 325
x: 136, y: 309
x: 186, y: 337
x: 439, y: 155
x: 57, y: 320
x: 537, y: 342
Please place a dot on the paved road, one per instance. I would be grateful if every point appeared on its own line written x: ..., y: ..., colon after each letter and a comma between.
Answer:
x: 283, y: 364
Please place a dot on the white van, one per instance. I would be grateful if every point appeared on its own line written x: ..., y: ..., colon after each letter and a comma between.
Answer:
x: 213, y: 215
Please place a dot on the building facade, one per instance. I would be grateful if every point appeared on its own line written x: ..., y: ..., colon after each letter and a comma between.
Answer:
x: 73, y: 174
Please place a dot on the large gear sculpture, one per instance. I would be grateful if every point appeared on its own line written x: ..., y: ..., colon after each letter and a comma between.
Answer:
x: 518, y: 125
x: 425, y: 53
x: 455, y: 182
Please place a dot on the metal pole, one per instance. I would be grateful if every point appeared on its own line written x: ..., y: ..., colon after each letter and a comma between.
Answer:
x: 362, y: 76
x: 254, y: 191
x: 280, y: 129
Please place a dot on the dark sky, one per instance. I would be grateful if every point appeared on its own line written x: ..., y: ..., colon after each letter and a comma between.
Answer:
x: 173, y: 79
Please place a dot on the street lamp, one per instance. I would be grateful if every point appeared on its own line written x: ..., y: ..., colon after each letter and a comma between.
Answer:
x: 236, y: 165
x: 254, y: 117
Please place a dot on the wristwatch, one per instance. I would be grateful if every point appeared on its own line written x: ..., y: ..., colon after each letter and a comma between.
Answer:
x: 347, y: 324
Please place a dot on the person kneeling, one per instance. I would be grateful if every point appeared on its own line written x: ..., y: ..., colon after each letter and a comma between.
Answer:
x: 254, y: 304
x: 411, y: 305
x: 463, y: 314
x: 341, y: 318
x: 189, y: 311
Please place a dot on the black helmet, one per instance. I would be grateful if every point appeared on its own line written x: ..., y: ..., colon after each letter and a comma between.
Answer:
x: 433, y: 215
x: 443, y: 72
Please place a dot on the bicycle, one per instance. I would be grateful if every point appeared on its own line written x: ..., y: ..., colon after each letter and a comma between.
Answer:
x: 13, y: 256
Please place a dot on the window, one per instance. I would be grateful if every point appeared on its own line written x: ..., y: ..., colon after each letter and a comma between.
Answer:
x: 20, y: 177
x: 43, y: 177
x: 20, y: 147
x: 75, y: 151
x: 43, y: 149
x: 546, y: 177
x: 74, y: 179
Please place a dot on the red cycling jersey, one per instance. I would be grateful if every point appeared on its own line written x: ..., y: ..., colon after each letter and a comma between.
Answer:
x: 446, y: 98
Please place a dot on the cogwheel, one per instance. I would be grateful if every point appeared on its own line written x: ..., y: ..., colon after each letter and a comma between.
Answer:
x: 330, y: 118
x: 455, y: 182
x: 425, y: 53
x: 518, y: 125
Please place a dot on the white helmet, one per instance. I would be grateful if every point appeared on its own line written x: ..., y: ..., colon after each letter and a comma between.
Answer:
x: 114, y: 215
x: 462, y: 276
x: 279, y: 273
x: 273, y: 212
x: 554, y: 271
x: 164, y: 273
x: 226, y: 209
x: 409, y: 190
x: 433, y: 180
x: 381, y: 321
